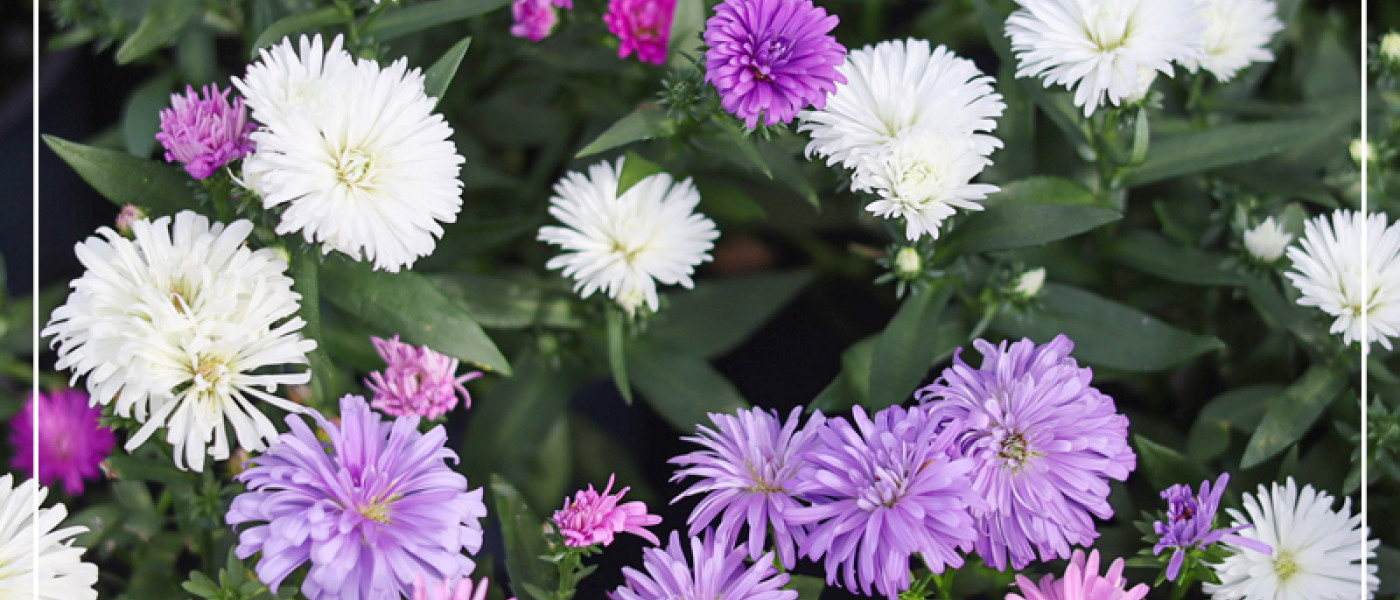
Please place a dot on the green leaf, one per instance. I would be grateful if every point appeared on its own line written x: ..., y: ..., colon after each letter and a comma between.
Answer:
x: 1155, y: 254
x: 640, y: 124
x: 1238, y: 409
x: 439, y: 76
x: 1106, y: 333
x: 160, y: 25
x: 470, y: 237
x: 520, y: 530
x: 687, y: 22
x: 512, y: 300
x: 133, y: 468
x: 905, y: 350
x: 682, y: 389
x: 300, y: 22
x: 852, y: 385
x: 617, y: 358
x: 634, y: 170
x: 305, y: 274
x: 1029, y: 212
x: 141, y: 115
x: 1166, y: 467
x: 718, y: 315
x: 1196, y: 151
x: 789, y: 172
x: 1291, y: 414
x: 409, y: 304
x: 126, y: 179
x: 515, y: 410
x: 412, y: 19
x: 807, y: 586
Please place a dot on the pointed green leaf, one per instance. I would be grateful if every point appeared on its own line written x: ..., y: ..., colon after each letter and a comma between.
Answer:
x: 640, y: 124
x: 1293, y: 413
x: 718, y: 315
x: 1166, y: 467
x: 1196, y: 151
x: 521, y: 533
x: 1029, y: 212
x: 852, y: 385
x: 158, y: 26
x: 1239, y: 409
x: 807, y: 587
x: 296, y: 23
x: 905, y: 349
x: 683, y: 389
x: 1155, y: 254
x: 439, y: 76
x: 126, y: 179
x: 399, y: 22
x: 523, y: 407
x: 141, y: 114
x: 634, y: 170
x: 617, y: 359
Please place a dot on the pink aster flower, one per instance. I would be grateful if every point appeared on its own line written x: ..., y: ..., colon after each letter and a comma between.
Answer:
x: 129, y: 215
x: 644, y: 27
x: 1081, y: 582
x: 460, y: 589
x: 594, y: 518
x: 205, y: 133
x: 534, y: 19
x: 71, y: 443
x: 417, y: 381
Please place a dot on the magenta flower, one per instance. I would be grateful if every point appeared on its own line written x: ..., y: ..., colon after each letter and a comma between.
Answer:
x: 370, y: 509
x: 130, y: 214
x: 1190, y: 523
x: 772, y: 58
x: 749, y: 474
x: 205, y: 133
x: 716, y: 571
x: 1081, y: 582
x: 534, y: 19
x: 1044, y: 443
x: 882, y: 491
x: 71, y: 443
x: 417, y: 381
x: 644, y: 26
x: 594, y: 518
x: 460, y: 589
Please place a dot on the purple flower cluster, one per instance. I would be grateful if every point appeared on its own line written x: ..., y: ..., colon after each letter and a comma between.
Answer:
x: 1190, y: 523
x: 643, y: 26
x: 770, y: 59
x: 205, y: 133
x: 71, y: 442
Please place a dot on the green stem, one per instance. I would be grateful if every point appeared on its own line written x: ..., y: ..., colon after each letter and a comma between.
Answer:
x: 1183, y: 582
x: 988, y: 314
x: 944, y: 581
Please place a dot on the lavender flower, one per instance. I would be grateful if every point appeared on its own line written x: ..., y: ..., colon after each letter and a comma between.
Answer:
x: 71, y: 443
x: 1081, y: 582
x: 534, y: 19
x: 884, y: 490
x: 1043, y: 442
x: 643, y: 26
x: 205, y: 133
x: 417, y: 381
x: 716, y: 572
x: 1190, y: 523
x: 594, y: 518
x: 772, y: 58
x: 371, y: 509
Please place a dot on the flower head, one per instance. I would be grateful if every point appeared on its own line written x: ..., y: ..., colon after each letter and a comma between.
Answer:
x: 179, y: 326
x: 716, y: 571
x: 748, y: 473
x: 772, y: 58
x: 354, y: 152
x: 1081, y: 582
x: 534, y: 19
x: 418, y: 381
x: 594, y: 518
x: 370, y: 509
x: 625, y: 244
x: 1331, y: 266
x: 71, y: 443
x: 1316, y: 551
x: 923, y: 176
x: 1101, y: 49
x: 1190, y: 523
x: 205, y: 133
x: 55, y: 564
x: 1267, y: 241
x: 883, y: 490
x: 448, y: 589
x: 1043, y: 442
x: 129, y: 214
x: 1237, y: 33
x: 643, y: 26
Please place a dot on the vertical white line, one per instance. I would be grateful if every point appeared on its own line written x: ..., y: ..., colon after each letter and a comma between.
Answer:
x: 1365, y: 256
x: 34, y: 273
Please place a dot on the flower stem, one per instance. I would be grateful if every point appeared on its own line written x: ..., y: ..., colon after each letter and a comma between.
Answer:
x: 1184, y: 581
x: 944, y: 581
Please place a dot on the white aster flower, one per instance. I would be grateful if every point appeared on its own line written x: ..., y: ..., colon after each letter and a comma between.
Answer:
x: 1267, y: 241
x: 1329, y: 263
x: 286, y: 83
x: 1316, y: 552
x: 372, y: 172
x: 62, y: 574
x: 1098, y: 48
x: 923, y: 176
x: 178, y: 326
x: 897, y: 86
x: 1237, y: 33
x: 624, y: 245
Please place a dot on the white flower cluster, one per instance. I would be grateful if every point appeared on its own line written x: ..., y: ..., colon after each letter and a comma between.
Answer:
x: 1349, y: 266
x: 913, y: 122
x: 54, y: 563
x: 1110, y: 51
x: 353, y: 150
x: 176, y: 326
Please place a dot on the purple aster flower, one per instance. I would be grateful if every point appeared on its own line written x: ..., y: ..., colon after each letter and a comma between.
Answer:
x: 1190, y: 523
x: 205, y: 133
x: 1081, y: 582
x: 882, y: 491
x: 370, y: 509
x: 1043, y: 441
x: 643, y: 26
x: 749, y: 473
x: 71, y: 443
x: 772, y: 58
x: 717, y: 571
x: 594, y: 518
x: 417, y: 381
x: 534, y: 19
